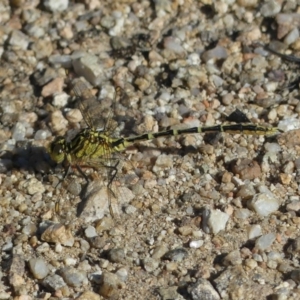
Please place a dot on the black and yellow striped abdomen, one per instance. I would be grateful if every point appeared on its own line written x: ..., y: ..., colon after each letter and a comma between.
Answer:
x: 123, y: 143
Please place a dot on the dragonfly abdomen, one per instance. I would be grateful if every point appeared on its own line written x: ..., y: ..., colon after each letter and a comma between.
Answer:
x: 122, y: 143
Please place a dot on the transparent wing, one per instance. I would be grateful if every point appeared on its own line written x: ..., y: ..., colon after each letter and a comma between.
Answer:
x: 96, y: 114
x: 107, y: 167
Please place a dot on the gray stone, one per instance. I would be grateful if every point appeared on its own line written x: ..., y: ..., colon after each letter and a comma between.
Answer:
x: 38, y: 268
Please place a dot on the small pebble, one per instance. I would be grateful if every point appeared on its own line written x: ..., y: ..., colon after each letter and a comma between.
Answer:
x: 171, y: 266
x: 233, y: 258
x: 117, y: 256
x: 19, y: 132
x: 69, y: 261
x: 150, y: 264
x: 42, y: 134
x: 254, y: 231
x: 174, y: 45
x: 38, y: 268
x: 122, y: 273
x: 159, y: 251
x: 177, y: 254
x: 90, y: 232
x: 73, y: 277
x: 34, y: 186
x: 242, y: 213
x: 203, y: 289
x: 293, y: 206
x: 54, y: 86
x: 58, y: 233
x: 270, y: 8
x: 110, y: 285
x: 16, y: 271
x: 56, y: 5
x: 60, y: 99
x: 58, y: 122
x: 88, y: 67
x: 265, y: 241
x: 196, y: 244
x: 247, y: 169
x: 53, y: 282
x: 19, y: 39
x: 264, y: 204
x: 88, y: 295
x: 185, y: 230
x: 292, y: 36
x: 217, y: 221
x: 251, y: 263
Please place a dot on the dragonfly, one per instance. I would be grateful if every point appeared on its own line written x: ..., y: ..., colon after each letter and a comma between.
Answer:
x: 95, y: 146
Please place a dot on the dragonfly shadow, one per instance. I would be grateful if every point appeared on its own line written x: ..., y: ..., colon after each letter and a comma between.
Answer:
x: 82, y: 204
x: 27, y: 158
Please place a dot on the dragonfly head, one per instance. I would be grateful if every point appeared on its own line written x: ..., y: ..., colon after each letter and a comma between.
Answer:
x: 57, y: 149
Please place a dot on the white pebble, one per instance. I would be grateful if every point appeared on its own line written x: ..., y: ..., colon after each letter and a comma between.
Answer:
x: 63, y: 60
x: 41, y: 134
x: 56, y: 5
x: 173, y: 44
x: 60, y: 100
x: 38, y: 268
x: 264, y: 204
x: 88, y: 67
x: 242, y: 213
x: 272, y: 115
x: 196, y: 244
x: 254, y: 231
x: 122, y: 273
x: 276, y: 256
x: 292, y: 36
x: 70, y: 261
x: 90, y: 232
x: 265, y: 241
x: 270, y: 8
x: 43, y: 248
x: 119, y: 24
x: 19, y: 132
x: 288, y: 124
x: 217, y: 80
x: 19, y: 39
x: 130, y: 209
x: 58, y: 248
x: 193, y: 59
x: 217, y: 220
x: 272, y: 147
x: 271, y: 86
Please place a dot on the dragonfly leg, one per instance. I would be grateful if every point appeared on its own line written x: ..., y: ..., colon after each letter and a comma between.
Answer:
x: 114, y: 171
x: 82, y: 173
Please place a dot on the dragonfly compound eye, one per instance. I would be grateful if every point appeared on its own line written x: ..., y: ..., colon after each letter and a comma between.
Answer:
x: 57, y: 150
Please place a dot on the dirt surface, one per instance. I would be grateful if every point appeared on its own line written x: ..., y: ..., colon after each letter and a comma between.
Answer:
x: 199, y: 216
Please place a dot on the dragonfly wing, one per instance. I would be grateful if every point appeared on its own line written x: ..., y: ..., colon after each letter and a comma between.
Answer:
x: 95, y: 113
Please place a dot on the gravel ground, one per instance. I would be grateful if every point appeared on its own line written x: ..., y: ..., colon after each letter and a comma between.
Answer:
x: 212, y: 216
